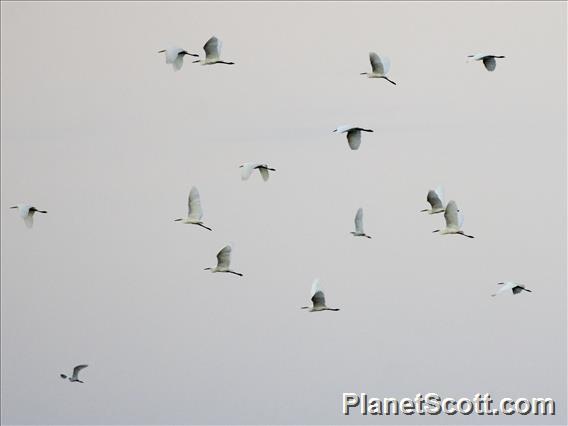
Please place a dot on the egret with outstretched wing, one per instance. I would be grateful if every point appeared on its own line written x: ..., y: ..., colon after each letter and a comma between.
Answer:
x: 454, y: 221
x: 27, y: 212
x: 213, y: 53
x: 248, y: 168
x: 353, y: 135
x: 224, y: 262
x: 194, y: 210
x: 359, y: 232
x: 318, y: 299
x: 380, y: 67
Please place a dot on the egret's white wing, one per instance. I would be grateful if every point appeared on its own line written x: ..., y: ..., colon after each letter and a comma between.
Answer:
x: 77, y: 369
x: 178, y: 62
x: 315, y: 287
x: 434, y: 200
x: 247, y: 169
x: 29, y: 220
x: 224, y: 257
x: 489, y: 63
x: 505, y: 287
x: 451, y: 215
x: 212, y: 48
x: 376, y: 63
x: 342, y: 129
x: 354, y: 139
x: 440, y: 191
x: 263, y: 172
x: 477, y: 56
x: 359, y: 221
x: 318, y: 299
x: 194, y: 210
x: 24, y: 210
x: 386, y: 64
x: 172, y: 54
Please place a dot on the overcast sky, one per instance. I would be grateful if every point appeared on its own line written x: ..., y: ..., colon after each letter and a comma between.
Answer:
x: 100, y: 132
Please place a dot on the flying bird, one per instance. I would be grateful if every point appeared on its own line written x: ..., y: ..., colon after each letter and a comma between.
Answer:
x: 454, y: 221
x: 353, y: 135
x: 436, y: 199
x: 194, y: 210
x: 511, y: 286
x: 212, y: 53
x: 488, y: 60
x: 75, y: 376
x: 224, y: 262
x: 359, y: 225
x: 174, y: 56
x: 380, y: 67
x: 27, y: 213
x: 318, y: 299
x: 247, y: 169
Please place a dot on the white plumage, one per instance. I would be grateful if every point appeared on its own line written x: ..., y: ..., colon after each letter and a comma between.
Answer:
x: 224, y: 262
x: 359, y: 232
x: 353, y: 135
x: 174, y: 56
x: 435, y: 198
x: 454, y: 221
x: 75, y: 375
x: 213, y: 53
x: 488, y: 60
x: 248, y: 168
x: 194, y: 210
x: 380, y: 67
x: 26, y: 212
x: 509, y: 286
x: 318, y: 299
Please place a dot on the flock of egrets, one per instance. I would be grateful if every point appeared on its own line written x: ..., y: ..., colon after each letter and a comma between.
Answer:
x: 380, y: 67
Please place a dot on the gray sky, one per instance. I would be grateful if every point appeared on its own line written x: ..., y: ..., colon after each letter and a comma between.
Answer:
x: 100, y: 132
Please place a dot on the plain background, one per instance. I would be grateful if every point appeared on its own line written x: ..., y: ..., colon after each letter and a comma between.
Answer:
x: 100, y: 132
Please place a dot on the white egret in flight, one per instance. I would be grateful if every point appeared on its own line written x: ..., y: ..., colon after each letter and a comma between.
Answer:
x: 359, y: 225
x: 454, y: 221
x: 436, y: 199
x: 27, y: 213
x: 194, y: 210
x: 224, y: 262
x: 380, y: 67
x: 509, y: 286
x: 318, y: 299
x: 353, y: 135
x: 212, y: 53
x: 75, y: 376
x: 488, y: 60
x: 247, y: 169
x: 174, y: 56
